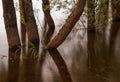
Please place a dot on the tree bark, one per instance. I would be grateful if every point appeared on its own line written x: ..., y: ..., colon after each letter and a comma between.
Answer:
x: 30, y: 22
x: 49, y: 20
x: 10, y: 24
x: 69, y: 24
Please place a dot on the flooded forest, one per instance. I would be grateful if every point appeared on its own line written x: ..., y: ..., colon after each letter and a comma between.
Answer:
x: 59, y: 41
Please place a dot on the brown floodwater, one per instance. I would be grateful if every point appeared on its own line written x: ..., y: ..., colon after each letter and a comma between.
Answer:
x: 69, y: 63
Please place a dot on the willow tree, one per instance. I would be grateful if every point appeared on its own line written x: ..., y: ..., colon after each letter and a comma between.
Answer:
x: 115, y: 22
x: 10, y: 24
x: 28, y: 21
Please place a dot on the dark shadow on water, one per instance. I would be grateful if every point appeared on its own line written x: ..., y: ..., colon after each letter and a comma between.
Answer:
x: 102, y: 60
x: 28, y: 67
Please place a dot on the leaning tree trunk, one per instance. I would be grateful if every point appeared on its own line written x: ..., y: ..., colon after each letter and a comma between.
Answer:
x: 91, y: 32
x: 30, y: 22
x: 49, y: 20
x: 10, y: 24
x: 69, y: 24
x: 115, y: 23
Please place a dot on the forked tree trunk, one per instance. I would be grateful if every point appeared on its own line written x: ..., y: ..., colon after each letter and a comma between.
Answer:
x: 30, y: 22
x: 10, y: 24
x: 69, y: 24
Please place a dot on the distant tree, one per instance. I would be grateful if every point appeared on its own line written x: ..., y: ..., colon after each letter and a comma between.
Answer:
x: 13, y: 74
x: 10, y: 24
x: 97, y: 49
x: 102, y: 14
x: 91, y: 30
x: 102, y: 17
x: 115, y: 26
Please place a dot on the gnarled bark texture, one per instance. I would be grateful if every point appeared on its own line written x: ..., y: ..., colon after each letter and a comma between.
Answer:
x: 10, y: 24
x: 69, y: 24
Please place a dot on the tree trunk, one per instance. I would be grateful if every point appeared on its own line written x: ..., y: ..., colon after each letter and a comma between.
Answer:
x: 11, y: 24
x: 69, y: 24
x: 30, y: 22
x: 22, y: 22
x: 49, y: 20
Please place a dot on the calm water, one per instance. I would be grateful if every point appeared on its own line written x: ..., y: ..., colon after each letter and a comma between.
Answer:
x: 68, y: 63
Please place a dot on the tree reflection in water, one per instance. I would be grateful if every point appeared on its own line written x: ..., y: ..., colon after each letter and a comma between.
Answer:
x: 13, y: 65
x: 28, y: 67
x: 61, y: 65
x: 32, y: 65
